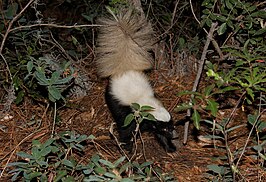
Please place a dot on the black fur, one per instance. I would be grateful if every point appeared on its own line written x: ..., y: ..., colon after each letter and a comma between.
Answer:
x: 162, y: 130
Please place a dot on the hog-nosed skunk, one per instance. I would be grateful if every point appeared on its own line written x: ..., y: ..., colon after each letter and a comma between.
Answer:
x: 122, y: 54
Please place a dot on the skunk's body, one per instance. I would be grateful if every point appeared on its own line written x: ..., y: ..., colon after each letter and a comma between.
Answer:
x: 122, y: 54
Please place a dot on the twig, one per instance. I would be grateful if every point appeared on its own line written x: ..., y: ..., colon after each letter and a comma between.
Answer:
x: 214, y: 43
x: 228, y: 151
x: 249, y: 135
x: 143, y: 145
x: 193, y: 13
x: 174, y: 12
x: 11, y: 23
x: 111, y: 130
x: 54, y: 121
x: 53, y: 26
x: 196, y: 82
x: 61, y: 48
x: 15, y: 149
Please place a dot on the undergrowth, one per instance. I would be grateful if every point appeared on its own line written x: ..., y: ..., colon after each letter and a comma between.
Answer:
x: 55, y: 160
x: 234, y: 69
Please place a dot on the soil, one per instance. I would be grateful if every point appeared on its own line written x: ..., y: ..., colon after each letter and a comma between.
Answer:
x: 90, y: 115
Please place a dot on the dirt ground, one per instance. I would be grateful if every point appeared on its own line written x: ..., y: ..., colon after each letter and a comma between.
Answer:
x: 90, y: 115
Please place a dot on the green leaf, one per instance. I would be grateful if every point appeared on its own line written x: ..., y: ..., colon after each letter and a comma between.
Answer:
x: 144, y: 114
x: 25, y: 155
x: 262, y: 156
x: 183, y: 107
x: 228, y: 4
x: 43, y: 178
x: 20, y: 97
x: 221, y: 18
x: 186, y: 92
x: 146, y: 108
x: 55, y: 93
x: 74, y: 40
x: 252, y: 8
x: 68, y: 163
x: 208, y: 90
x: 235, y: 127
x: 135, y: 106
x: 126, y: 180
x: 250, y: 93
x: 87, y: 171
x: 45, y: 151
x: 42, y: 80
x: 252, y: 119
x: 215, y: 168
x: 107, y: 163
x: 128, y: 119
x: 196, y: 119
x: 100, y: 170
x: 33, y: 175
x: 229, y: 88
x: 119, y: 161
x: 19, y: 164
x: 48, y: 142
x: 110, y: 175
x: 260, y: 32
x: 43, y: 164
x: 30, y: 66
x: 91, y: 137
x: 60, y: 175
x: 125, y: 167
x: 181, y: 42
x: 54, y: 78
x: 64, y: 80
x: 205, y: 2
x: 222, y: 29
x: 150, y: 117
x: 259, y: 14
x: 11, y: 10
x: 212, y: 106
x: 146, y: 164
x: 258, y: 148
x: 262, y: 126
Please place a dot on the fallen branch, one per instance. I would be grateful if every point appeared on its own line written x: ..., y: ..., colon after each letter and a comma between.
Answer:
x: 199, y: 73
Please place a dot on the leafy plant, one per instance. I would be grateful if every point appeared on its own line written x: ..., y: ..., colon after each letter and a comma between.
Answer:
x: 51, y: 158
x: 54, y: 160
x: 201, y: 102
x: 242, y: 22
x: 240, y: 71
x: 221, y: 132
x: 56, y: 80
x: 247, y: 73
x: 140, y: 113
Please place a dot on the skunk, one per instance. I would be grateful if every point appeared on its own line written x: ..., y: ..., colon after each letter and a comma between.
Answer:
x: 122, y: 55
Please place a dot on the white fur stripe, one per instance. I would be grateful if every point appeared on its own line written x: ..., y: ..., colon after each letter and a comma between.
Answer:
x: 133, y: 87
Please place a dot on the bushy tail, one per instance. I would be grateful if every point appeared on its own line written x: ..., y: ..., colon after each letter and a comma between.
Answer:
x: 123, y: 44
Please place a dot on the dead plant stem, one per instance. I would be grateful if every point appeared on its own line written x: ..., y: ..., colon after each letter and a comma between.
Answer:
x: 228, y: 150
x: 53, y: 26
x: 249, y: 135
x: 199, y: 73
x: 214, y: 43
